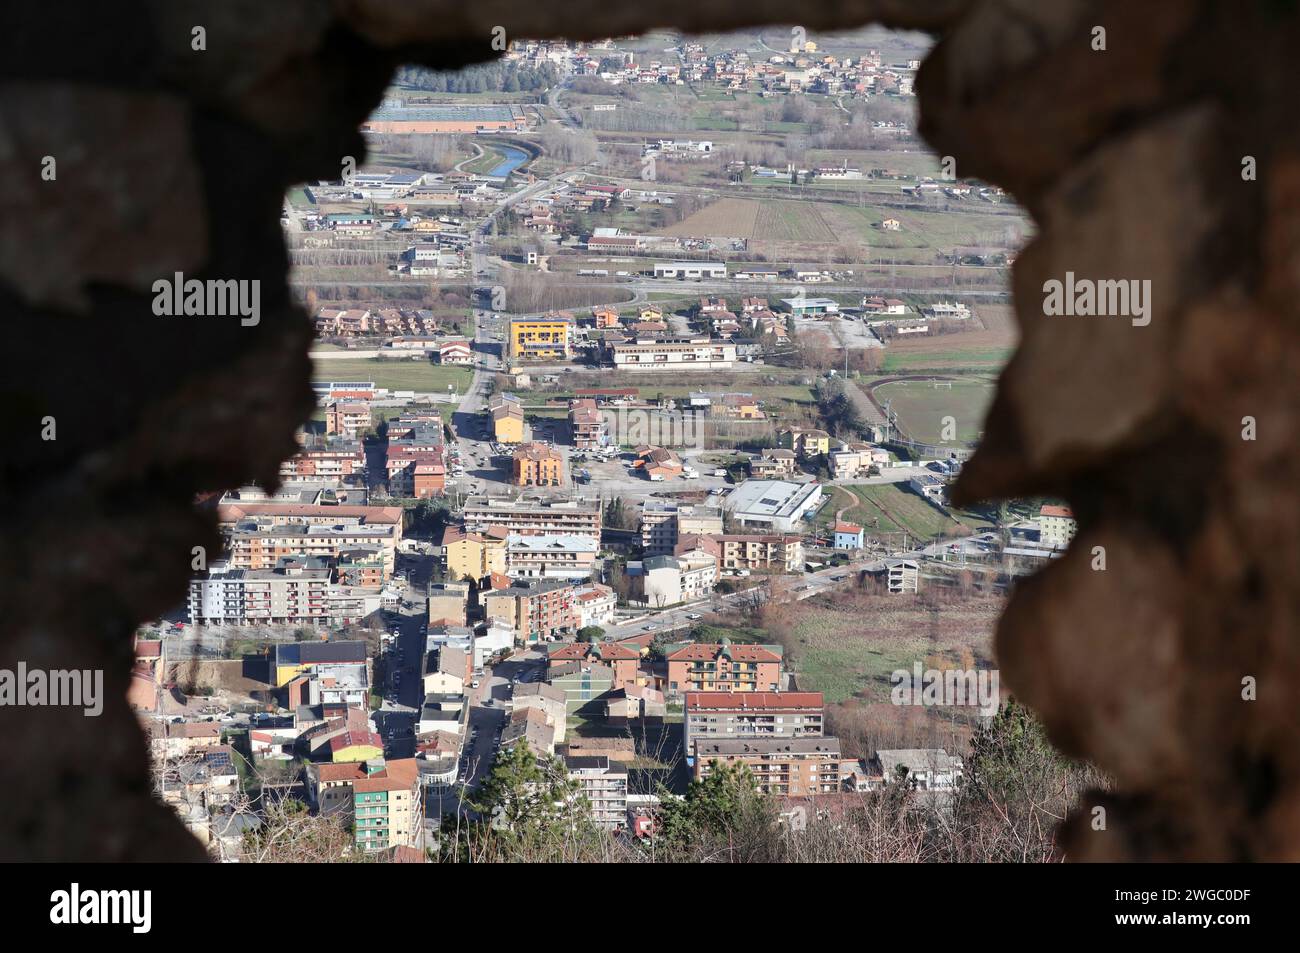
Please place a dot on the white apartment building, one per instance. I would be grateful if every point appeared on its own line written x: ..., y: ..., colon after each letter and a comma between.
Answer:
x: 550, y: 556
x: 684, y: 354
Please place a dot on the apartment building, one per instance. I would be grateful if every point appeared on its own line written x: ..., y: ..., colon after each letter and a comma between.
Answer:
x: 380, y: 798
x: 664, y: 522
x: 624, y: 660
x: 575, y: 516
x: 540, y: 609
x: 296, y: 592
x: 536, y: 464
x: 794, y: 767
x: 753, y: 552
x: 259, y: 534
x: 586, y: 424
x: 717, y: 716
x: 548, y: 338
x: 602, y: 783
x: 1056, y: 526
x: 674, y: 354
x: 473, y: 555
x: 347, y: 418
x: 332, y: 463
x: 724, y: 667
x: 550, y: 556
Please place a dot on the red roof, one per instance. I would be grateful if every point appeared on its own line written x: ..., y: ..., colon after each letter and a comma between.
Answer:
x: 754, y: 700
x: 1063, y: 511
x: 740, y: 653
x: 847, y: 528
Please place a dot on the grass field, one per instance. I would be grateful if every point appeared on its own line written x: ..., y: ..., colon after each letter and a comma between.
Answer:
x: 395, y: 375
x: 847, y: 645
x: 987, y: 348
x: 923, y: 405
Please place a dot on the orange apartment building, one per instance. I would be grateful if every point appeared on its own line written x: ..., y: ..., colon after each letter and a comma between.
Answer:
x: 724, y: 667
x: 623, y: 660
x: 794, y: 767
x: 344, y: 459
x: 347, y: 418
x: 536, y: 464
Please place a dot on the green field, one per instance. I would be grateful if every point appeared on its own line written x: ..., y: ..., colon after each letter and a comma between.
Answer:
x: 909, y: 361
x: 395, y: 375
x: 922, y: 406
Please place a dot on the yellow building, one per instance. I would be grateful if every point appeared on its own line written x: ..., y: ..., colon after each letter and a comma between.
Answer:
x: 473, y: 555
x: 542, y: 339
x: 805, y: 443
x: 507, y: 413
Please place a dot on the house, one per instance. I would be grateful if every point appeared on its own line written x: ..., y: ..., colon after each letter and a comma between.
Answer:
x: 891, y: 225
x: 507, y: 413
x: 670, y: 580
x: 455, y: 352
x: 606, y: 318
x: 773, y: 464
x: 929, y: 487
x: 872, y: 304
x: 546, y: 698
x: 657, y: 463
x: 856, y: 460
x: 586, y: 424
x: 926, y: 769
x: 446, y: 671
x: 806, y: 443
x: 298, y: 658
x: 595, y: 604
x: 635, y: 703
x: 848, y: 536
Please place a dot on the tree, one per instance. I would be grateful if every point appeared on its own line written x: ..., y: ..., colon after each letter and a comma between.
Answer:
x: 722, y: 813
x: 527, y: 799
x: 590, y: 633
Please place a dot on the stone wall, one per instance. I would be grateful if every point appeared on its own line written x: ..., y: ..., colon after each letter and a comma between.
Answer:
x: 1129, y: 158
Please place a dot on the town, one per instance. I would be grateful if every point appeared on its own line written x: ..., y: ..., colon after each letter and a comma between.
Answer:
x: 642, y: 370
